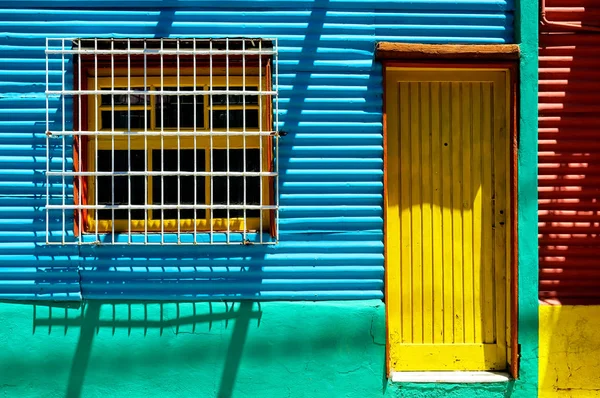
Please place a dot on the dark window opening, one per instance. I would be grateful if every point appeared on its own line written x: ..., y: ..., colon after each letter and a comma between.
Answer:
x: 124, y: 99
x: 121, y: 186
x: 234, y: 99
x: 236, y: 118
x: 166, y: 109
x: 236, y: 184
x: 185, y: 188
x: 125, y: 120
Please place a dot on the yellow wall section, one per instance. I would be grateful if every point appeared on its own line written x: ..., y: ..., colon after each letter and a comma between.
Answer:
x: 569, y: 351
x: 447, y: 219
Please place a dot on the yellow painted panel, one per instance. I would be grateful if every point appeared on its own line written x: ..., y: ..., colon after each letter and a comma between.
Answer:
x: 569, y: 351
x: 447, y: 219
x: 450, y: 357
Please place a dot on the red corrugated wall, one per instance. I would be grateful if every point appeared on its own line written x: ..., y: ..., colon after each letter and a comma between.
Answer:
x: 569, y: 153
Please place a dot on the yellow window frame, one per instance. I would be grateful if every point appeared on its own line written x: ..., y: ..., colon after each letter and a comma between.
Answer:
x: 174, y: 142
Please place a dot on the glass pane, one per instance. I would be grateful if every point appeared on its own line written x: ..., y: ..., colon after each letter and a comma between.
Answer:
x: 236, y: 184
x: 168, y: 105
x: 121, y: 187
x: 186, y: 183
x: 236, y: 119
x: 235, y: 99
x: 136, y: 118
x: 121, y: 99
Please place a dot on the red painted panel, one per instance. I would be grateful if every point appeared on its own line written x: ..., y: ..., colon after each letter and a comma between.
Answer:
x: 569, y: 153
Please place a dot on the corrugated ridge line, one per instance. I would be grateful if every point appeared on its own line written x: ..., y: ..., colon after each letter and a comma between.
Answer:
x: 331, y: 160
x: 569, y: 160
x: 462, y: 5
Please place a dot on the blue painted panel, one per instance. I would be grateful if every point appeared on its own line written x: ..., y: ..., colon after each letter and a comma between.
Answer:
x: 331, y: 160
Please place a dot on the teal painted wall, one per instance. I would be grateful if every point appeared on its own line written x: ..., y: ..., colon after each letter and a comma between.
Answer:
x: 527, y: 37
x: 274, y: 349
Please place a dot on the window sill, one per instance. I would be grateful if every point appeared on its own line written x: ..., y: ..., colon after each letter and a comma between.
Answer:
x: 450, y: 377
x: 187, y: 238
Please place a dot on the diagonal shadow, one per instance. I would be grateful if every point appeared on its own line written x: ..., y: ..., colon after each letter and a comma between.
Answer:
x: 91, y: 315
x: 235, y: 350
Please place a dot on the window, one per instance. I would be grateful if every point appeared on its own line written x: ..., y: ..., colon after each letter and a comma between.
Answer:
x: 170, y: 137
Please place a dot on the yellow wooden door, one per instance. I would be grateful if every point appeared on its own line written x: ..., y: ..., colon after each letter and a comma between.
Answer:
x: 447, y: 219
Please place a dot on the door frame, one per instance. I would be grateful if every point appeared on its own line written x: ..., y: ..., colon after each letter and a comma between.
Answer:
x: 412, y: 60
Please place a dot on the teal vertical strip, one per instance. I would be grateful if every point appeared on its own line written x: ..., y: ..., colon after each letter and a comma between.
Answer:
x: 527, y: 16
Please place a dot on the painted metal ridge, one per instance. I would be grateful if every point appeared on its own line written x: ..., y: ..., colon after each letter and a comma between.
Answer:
x: 450, y: 377
x: 388, y: 50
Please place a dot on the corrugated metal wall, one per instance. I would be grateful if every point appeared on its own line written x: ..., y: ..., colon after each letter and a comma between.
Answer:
x: 331, y: 160
x: 569, y: 154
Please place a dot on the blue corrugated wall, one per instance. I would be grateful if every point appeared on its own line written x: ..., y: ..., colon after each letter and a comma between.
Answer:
x: 331, y: 183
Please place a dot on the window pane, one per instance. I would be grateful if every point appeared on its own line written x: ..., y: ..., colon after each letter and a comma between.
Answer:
x: 186, y: 183
x: 234, y: 99
x: 121, y: 99
x: 168, y: 105
x: 121, y: 188
x: 236, y: 184
x: 121, y: 117
x: 236, y: 119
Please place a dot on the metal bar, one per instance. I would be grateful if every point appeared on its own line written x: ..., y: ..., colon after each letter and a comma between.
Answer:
x: 47, y: 147
x: 244, y: 136
x: 166, y: 207
x: 165, y: 173
x: 135, y: 243
x: 64, y: 144
x: 260, y: 146
x: 178, y: 149
x: 194, y: 88
x: 264, y: 133
x: 80, y: 152
x: 276, y: 154
x: 148, y: 92
x: 164, y: 52
x: 227, y: 137
x: 145, y: 146
x: 128, y: 139
x: 211, y: 133
x: 97, y: 118
x: 162, y: 144
x: 112, y: 140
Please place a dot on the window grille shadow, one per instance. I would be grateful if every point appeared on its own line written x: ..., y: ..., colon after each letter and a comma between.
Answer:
x: 89, y: 322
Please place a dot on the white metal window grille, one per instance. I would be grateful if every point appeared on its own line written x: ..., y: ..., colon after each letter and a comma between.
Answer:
x: 170, y: 141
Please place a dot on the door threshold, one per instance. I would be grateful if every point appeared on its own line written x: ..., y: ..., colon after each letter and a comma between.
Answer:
x: 450, y: 377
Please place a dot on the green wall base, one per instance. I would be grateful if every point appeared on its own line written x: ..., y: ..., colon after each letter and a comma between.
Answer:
x: 273, y: 349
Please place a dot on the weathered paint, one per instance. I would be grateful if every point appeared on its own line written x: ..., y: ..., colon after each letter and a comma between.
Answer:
x: 276, y: 349
x: 331, y: 187
x: 448, y: 225
x: 569, y: 351
x: 569, y: 155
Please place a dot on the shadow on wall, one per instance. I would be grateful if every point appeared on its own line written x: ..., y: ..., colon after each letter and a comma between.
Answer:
x: 178, y: 318
x: 569, y: 159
